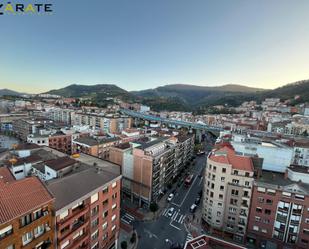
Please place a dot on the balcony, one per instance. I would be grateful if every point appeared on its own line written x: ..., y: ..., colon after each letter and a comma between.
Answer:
x: 281, y: 218
x: 24, y: 222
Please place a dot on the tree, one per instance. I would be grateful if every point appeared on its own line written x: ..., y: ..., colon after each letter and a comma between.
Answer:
x: 124, y: 245
x: 153, y: 207
x: 133, y: 238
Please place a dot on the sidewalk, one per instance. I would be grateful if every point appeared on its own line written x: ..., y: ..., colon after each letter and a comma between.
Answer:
x: 126, y: 236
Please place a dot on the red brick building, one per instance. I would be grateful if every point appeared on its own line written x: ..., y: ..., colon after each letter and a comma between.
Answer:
x: 61, y: 142
x: 87, y: 208
x: 279, y: 212
x: 26, y: 213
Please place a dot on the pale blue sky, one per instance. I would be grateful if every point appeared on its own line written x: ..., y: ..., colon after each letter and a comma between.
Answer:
x: 139, y: 44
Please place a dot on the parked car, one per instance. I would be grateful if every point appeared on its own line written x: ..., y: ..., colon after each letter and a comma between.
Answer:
x: 170, y: 212
x: 197, y: 200
x: 170, y: 197
x: 193, y: 208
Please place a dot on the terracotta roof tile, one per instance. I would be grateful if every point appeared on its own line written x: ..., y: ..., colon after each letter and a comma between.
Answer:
x: 227, y: 155
x: 22, y: 196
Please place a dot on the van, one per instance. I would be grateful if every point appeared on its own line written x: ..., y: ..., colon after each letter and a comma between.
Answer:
x: 193, y: 208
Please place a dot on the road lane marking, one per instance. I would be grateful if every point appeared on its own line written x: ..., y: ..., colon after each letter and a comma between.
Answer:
x: 180, y: 218
x: 188, y: 191
x: 174, y: 226
x: 183, y: 219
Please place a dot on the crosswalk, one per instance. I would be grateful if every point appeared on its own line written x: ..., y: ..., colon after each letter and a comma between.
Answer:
x: 127, y: 218
x: 189, y: 237
x: 176, y: 216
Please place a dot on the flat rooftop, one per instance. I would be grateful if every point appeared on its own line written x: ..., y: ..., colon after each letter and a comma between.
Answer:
x: 75, y: 186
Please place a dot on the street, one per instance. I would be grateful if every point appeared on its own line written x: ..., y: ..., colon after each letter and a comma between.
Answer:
x: 167, y: 230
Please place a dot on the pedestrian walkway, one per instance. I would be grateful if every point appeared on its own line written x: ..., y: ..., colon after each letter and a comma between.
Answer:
x: 176, y: 216
x: 189, y: 237
x: 127, y: 218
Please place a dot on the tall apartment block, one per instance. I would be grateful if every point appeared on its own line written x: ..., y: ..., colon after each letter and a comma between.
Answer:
x: 87, y: 209
x: 227, y: 192
x: 26, y: 213
x: 149, y: 165
x: 279, y: 212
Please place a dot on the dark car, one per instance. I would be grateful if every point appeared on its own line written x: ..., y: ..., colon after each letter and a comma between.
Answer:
x: 197, y: 200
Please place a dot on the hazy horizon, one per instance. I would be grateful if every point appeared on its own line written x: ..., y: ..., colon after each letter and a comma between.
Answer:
x: 140, y: 44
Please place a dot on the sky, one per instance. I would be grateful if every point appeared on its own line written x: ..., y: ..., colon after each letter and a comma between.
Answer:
x: 141, y: 44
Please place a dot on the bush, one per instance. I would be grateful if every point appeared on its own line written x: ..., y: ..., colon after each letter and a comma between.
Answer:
x: 124, y: 245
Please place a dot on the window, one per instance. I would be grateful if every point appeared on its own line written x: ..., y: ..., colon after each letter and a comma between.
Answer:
x: 214, y: 168
x: 104, y: 226
x: 27, y: 237
x: 264, y: 231
x: 267, y: 211
x: 105, y: 190
x: 113, y: 227
x: 105, y: 236
x: 95, y: 210
x: 6, y: 231
x: 220, y: 196
x: 235, y: 172
x: 220, y: 205
x: 235, y: 192
x: 94, y: 198
x: 211, y: 194
x: 27, y: 219
x: 223, y: 170
x: 114, y: 217
x: 255, y: 228
x: 114, y: 184
x: 300, y: 197
x: 105, y: 202
x: 258, y: 210
x: 260, y: 199
x: 37, y: 214
x: 95, y: 235
x: 247, y: 174
x: 221, y: 188
x: 114, y: 196
x: 64, y: 214
x: 105, y: 214
x: 10, y: 247
x: 247, y: 184
x: 95, y: 223
x: 233, y: 201
x: 257, y: 218
x: 269, y: 201
x: 218, y: 213
x: 222, y: 179
x: 286, y: 194
x: 114, y: 206
x: 212, y: 186
x: 65, y: 244
x: 78, y: 234
x: 38, y: 230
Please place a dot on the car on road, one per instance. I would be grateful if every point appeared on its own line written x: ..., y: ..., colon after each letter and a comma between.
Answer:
x: 170, y: 212
x: 170, y: 197
x: 193, y: 208
x: 197, y: 200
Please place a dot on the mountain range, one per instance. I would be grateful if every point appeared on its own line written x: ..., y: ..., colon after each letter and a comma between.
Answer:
x: 181, y: 96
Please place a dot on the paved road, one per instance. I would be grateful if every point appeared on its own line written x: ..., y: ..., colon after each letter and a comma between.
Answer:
x: 154, y: 234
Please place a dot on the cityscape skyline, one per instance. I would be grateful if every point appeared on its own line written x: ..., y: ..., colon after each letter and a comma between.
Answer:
x: 140, y: 45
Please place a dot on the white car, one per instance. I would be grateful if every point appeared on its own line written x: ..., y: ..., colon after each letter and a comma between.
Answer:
x: 170, y: 197
x: 193, y: 208
x: 170, y: 212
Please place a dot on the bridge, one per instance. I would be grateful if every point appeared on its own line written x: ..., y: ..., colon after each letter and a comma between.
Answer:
x: 179, y: 123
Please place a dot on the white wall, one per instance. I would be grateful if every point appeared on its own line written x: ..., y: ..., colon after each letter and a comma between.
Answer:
x: 275, y: 158
x: 24, y: 168
x: 50, y: 173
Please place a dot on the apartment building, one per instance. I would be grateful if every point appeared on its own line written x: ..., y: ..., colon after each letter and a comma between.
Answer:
x: 279, y: 213
x: 61, y: 141
x: 26, y: 213
x: 227, y: 192
x: 25, y: 126
x: 87, y: 208
x: 301, y: 153
x: 98, y: 147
